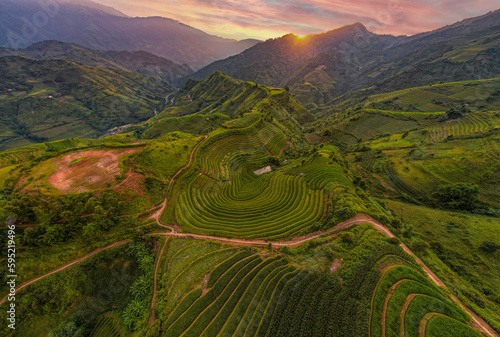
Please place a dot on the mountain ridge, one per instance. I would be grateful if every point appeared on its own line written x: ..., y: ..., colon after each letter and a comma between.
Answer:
x: 136, y: 61
x: 97, y: 29
x: 355, y: 58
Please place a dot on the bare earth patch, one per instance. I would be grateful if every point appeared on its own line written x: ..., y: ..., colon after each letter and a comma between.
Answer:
x: 335, y: 265
x: 263, y: 170
x: 99, y: 168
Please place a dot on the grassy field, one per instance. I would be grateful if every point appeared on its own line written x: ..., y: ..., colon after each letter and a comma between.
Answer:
x: 420, y: 166
x: 452, y: 252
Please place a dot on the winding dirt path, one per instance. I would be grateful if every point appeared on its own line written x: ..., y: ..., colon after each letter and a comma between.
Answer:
x: 157, y: 214
x: 391, y: 291
x: 423, y: 323
x: 66, y: 266
x: 153, y: 301
x: 358, y: 219
x: 402, y: 313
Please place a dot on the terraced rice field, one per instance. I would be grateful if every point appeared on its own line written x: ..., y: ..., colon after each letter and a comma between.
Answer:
x: 473, y: 123
x: 14, y: 158
x: 221, y: 195
x: 233, y: 292
x: 253, y: 296
x: 394, y: 94
x: 405, y: 300
x: 405, y: 115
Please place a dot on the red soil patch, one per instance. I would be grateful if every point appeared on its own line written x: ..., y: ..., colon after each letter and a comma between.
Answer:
x: 99, y: 168
x: 133, y: 182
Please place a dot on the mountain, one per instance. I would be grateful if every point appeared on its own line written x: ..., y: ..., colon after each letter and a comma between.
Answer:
x: 101, y: 28
x: 136, y: 61
x: 200, y: 223
x: 201, y: 106
x: 54, y: 99
x: 324, y: 66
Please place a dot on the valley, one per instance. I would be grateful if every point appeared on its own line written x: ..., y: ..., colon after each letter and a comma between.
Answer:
x: 345, y: 183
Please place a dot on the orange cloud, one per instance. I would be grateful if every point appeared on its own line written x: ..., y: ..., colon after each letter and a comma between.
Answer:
x: 270, y: 18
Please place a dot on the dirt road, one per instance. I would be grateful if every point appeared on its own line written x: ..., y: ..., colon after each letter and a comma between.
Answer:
x: 358, y: 219
x: 66, y: 266
x: 156, y: 215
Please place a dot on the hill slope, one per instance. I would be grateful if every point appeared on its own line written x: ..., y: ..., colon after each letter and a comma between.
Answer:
x: 56, y: 99
x: 107, y: 30
x: 323, y: 66
x: 136, y: 61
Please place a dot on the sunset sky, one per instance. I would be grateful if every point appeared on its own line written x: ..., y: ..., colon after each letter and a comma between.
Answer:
x: 263, y: 19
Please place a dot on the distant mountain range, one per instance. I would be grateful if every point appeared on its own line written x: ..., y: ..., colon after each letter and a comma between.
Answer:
x: 317, y: 69
x: 324, y: 66
x: 136, y: 61
x: 24, y: 22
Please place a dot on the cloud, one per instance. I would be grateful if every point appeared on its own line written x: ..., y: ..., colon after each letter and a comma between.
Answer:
x: 270, y: 18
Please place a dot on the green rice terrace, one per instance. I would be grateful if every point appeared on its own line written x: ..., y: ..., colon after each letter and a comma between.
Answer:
x: 236, y: 212
x: 223, y: 195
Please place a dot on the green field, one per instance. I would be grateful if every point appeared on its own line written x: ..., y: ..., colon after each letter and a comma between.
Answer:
x: 221, y: 194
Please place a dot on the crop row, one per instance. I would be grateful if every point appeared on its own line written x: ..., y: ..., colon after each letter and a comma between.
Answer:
x: 184, y: 321
x: 320, y: 172
x: 105, y: 328
x: 404, y: 92
x: 368, y: 160
x: 251, y: 206
x: 402, y: 298
x: 492, y: 147
x: 473, y: 123
x: 13, y: 158
x: 193, y: 272
x: 399, y: 184
x: 406, y: 115
x: 251, y: 296
x: 232, y: 293
x: 394, y: 94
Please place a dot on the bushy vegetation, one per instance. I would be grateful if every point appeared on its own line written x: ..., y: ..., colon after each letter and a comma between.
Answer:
x: 55, y: 220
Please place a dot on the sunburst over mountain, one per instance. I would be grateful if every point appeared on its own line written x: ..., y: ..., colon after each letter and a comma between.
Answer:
x: 301, y: 168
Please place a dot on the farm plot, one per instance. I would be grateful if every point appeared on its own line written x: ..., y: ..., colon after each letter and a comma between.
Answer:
x: 252, y: 296
x: 473, y: 123
x: 398, y: 183
x: 18, y: 157
x: 404, y: 297
x: 222, y: 196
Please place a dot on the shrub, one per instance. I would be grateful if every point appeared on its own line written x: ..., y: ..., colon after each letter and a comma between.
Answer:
x: 458, y: 196
x: 489, y: 246
x: 393, y: 241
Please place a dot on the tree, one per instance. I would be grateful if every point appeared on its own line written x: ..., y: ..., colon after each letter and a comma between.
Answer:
x: 458, y: 196
x: 489, y: 246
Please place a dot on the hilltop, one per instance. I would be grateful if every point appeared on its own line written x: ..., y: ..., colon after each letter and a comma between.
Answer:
x: 324, y: 66
x: 102, y: 28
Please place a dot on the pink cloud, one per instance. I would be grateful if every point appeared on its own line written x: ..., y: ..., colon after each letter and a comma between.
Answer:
x: 270, y: 18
